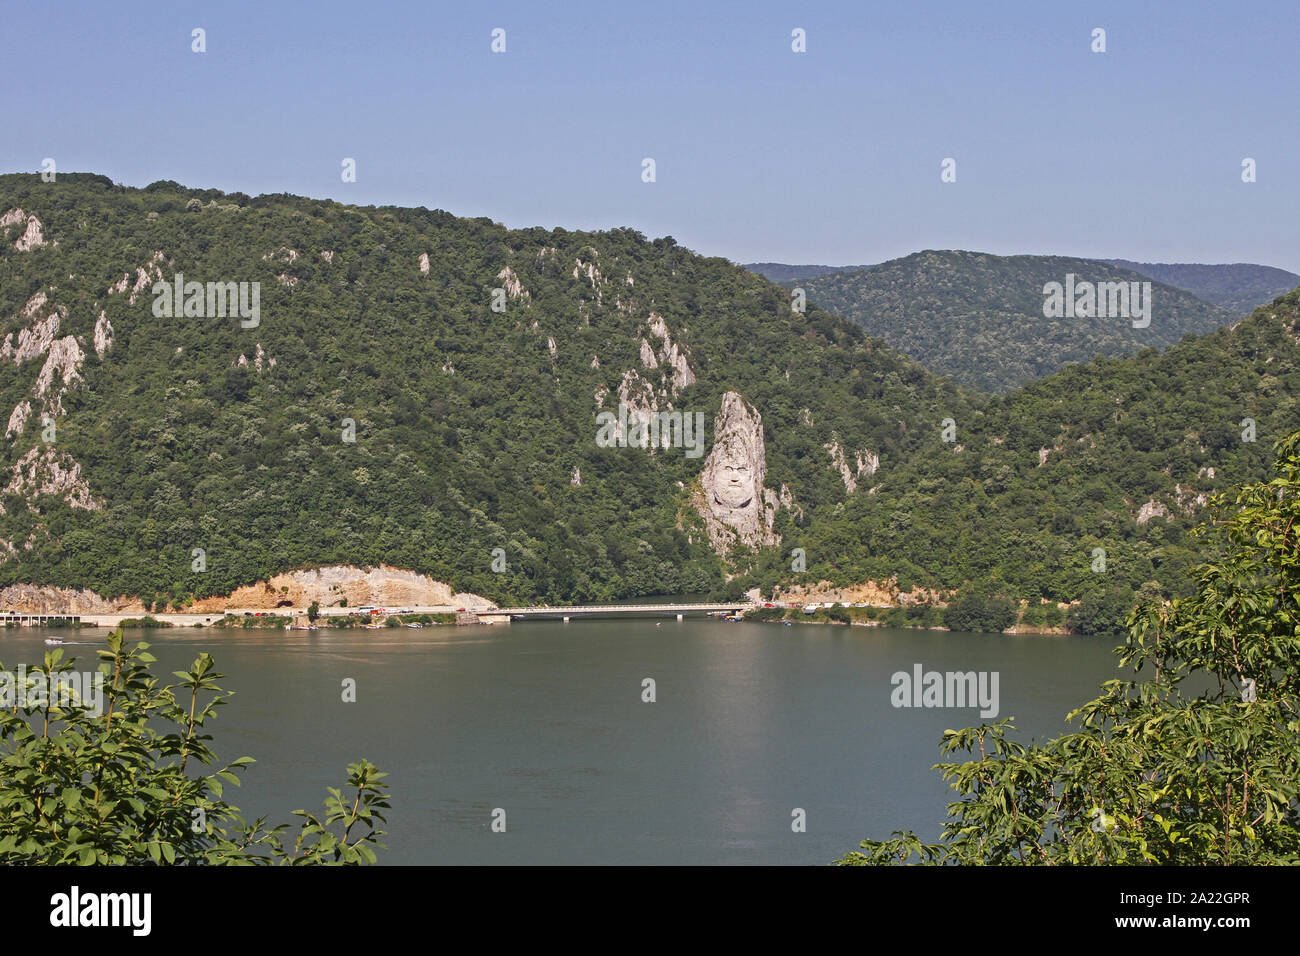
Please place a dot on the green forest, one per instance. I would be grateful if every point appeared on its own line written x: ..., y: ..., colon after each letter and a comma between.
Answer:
x: 978, y: 318
x: 475, y: 428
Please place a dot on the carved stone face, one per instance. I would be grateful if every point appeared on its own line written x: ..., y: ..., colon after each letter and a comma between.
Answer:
x: 735, y: 485
x: 732, y: 480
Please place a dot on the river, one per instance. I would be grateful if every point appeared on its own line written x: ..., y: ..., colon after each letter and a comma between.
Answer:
x: 546, y: 721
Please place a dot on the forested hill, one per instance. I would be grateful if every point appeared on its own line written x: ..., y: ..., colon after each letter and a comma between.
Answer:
x: 1119, y: 455
x: 780, y: 272
x: 1239, y: 287
x: 381, y: 409
x: 422, y: 390
x: 980, y: 318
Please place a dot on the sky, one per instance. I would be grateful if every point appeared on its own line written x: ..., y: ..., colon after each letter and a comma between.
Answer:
x: 829, y: 156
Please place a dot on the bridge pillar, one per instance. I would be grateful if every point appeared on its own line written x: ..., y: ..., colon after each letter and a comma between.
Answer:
x: 680, y: 616
x: 566, y: 619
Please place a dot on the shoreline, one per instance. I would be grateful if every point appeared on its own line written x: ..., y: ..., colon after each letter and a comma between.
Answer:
x: 297, y: 619
x: 235, y: 617
x: 1013, y: 632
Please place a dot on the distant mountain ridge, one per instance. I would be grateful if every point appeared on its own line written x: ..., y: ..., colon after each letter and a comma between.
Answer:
x: 1239, y: 287
x: 780, y: 272
x: 979, y: 318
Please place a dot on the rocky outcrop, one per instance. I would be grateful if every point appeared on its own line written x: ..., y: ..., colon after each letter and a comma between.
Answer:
x: 62, y: 362
x: 145, y: 277
x: 639, y: 397
x: 1152, y: 509
x: 18, y: 419
x: 34, y: 599
x: 592, y: 273
x: 36, y: 338
x: 866, y: 463
x: 43, y: 471
x: 671, y: 354
x: 387, y: 587
x: 736, y: 508
x: 103, y: 335
x: 32, y: 236
x: 510, y: 282
x: 383, y: 586
x: 260, y: 359
x: 874, y: 593
x: 424, y: 262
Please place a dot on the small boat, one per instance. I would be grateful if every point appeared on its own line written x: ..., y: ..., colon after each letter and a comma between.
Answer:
x: 371, y: 627
x: 788, y: 624
x: 414, y: 625
x: 54, y: 640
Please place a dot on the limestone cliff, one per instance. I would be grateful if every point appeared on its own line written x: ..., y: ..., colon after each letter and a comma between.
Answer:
x: 38, y: 599
x: 383, y: 586
x: 874, y: 593
x: 391, y: 588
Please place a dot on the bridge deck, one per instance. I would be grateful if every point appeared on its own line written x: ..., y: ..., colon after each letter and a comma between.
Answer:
x: 588, y: 610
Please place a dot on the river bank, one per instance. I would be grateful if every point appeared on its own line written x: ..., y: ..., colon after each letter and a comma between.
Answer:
x: 878, y: 617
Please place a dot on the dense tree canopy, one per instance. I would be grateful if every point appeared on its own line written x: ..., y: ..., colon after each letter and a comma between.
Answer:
x: 979, y: 318
x: 475, y: 428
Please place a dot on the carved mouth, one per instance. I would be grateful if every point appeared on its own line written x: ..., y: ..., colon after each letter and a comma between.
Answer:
x: 743, y: 504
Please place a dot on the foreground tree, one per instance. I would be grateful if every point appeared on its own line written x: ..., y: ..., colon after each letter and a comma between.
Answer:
x: 1197, y: 762
x: 120, y: 786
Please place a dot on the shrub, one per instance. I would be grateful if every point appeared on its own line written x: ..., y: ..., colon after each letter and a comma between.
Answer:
x: 123, y: 783
x: 974, y: 612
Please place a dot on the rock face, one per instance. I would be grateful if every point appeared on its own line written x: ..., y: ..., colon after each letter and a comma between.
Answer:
x: 103, y: 335
x: 36, y: 338
x: 383, y: 586
x: 736, y: 508
x: 867, y: 465
x: 672, y: 355
x: 31, y: 599
x: 1152, y: 509
x: 874, y: 593
x: 18, y: 419
x: 514, y: 288
x: 43, y: 471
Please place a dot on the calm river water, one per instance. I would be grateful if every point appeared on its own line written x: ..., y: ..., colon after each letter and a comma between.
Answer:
x: 546, y: 721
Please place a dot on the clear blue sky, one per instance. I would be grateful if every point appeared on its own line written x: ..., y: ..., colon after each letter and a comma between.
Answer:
x: 831, y: 156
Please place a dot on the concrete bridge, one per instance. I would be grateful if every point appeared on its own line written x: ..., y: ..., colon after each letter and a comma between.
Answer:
x: 506, y: 614
x: 23, y: 619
